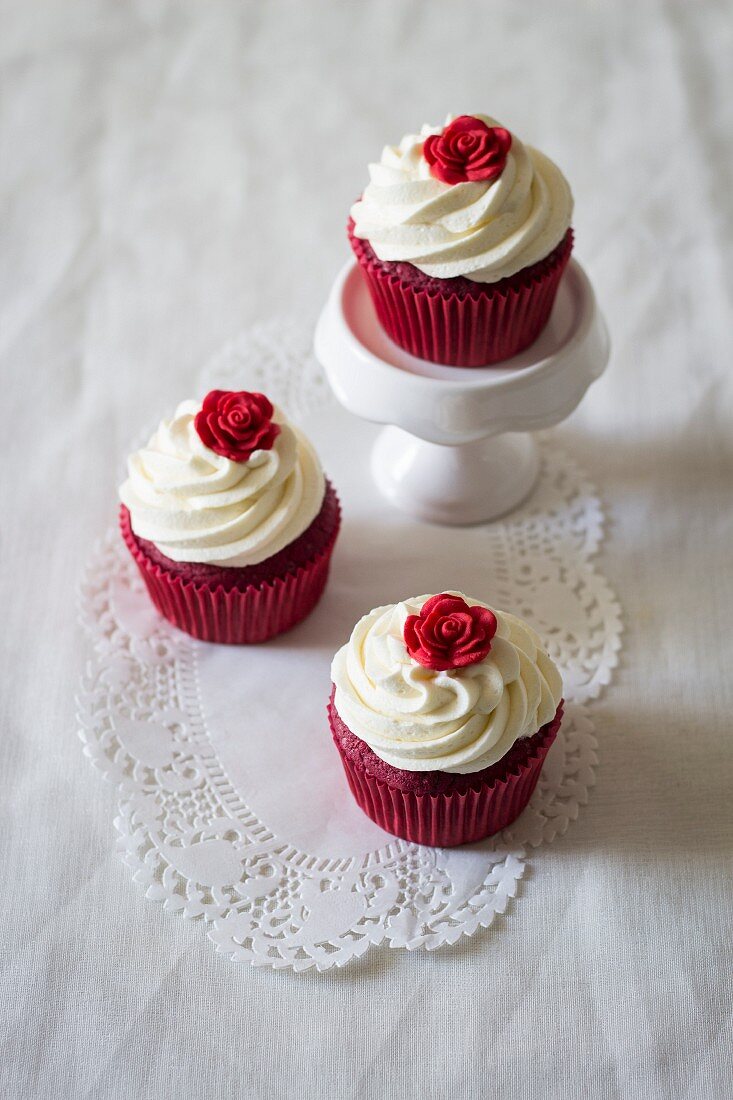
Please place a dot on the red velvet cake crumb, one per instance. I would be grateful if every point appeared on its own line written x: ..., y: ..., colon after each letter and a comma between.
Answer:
x: 459, y: 285
x: 439, y: 782
x: 288, y: 560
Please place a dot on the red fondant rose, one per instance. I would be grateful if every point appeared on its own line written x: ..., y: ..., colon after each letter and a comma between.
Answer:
x: 467, y: 149
x: 449, y: 634
x: 236, y: 423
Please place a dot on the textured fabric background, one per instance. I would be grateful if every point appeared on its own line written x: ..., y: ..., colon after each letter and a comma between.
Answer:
x: 172, y: 172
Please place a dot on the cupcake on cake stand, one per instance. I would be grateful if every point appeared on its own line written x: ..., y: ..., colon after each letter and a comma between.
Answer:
x: 457, y: 446
x: 463, y: 326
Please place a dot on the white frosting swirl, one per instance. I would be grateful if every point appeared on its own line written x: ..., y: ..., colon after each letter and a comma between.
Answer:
x: 457, y: 721
x: 198, y: 506
x: 484, y: 231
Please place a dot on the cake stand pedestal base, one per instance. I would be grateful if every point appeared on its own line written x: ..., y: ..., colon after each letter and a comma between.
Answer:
x: 464, y: 484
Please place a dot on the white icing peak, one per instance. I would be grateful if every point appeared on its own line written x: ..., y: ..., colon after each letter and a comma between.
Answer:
x: 458, y: 721
x: 198, y: 506
x: 484, y: 231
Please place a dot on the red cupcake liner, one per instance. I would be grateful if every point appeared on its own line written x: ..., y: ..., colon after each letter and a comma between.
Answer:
x: 236, y: 616
x: 457, y: 326
x: 475, y: 809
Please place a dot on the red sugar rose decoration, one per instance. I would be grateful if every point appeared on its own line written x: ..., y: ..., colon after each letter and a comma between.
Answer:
x: 236, y: 423
x: 467, y: 149
x: 449, y: 634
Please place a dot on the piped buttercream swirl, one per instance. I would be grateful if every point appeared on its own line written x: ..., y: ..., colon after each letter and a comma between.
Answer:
x: 458, y: 721
x: 199, y: 506
x: 484, y: 231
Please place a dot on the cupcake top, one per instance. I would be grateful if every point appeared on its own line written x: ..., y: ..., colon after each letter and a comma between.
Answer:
x: 442, y: 683
x: 465, y: 199
x: 227, y: 481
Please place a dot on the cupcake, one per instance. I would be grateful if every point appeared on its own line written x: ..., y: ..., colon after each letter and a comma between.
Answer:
x: 463, y: 234
x: 443, y: 712
x: 230, y: 519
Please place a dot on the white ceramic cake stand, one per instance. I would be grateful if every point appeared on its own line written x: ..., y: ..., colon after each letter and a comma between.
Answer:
x: 457, y: 448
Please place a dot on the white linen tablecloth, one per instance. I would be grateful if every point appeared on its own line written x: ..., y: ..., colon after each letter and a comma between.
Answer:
x: 174, y: 171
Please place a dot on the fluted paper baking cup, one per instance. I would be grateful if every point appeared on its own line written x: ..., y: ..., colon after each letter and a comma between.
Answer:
x: 237, y: 616
x: 488, y: 324
x: 469, y: 813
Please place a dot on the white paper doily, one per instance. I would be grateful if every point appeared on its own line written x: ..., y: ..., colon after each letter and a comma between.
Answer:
x: 232, y: 803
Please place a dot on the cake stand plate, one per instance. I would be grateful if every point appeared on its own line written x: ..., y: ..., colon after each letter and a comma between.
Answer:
x: 456, y: 448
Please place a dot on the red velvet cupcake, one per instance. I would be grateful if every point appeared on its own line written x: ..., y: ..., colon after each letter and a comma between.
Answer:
x: 443, y: 712
x: 230, y: 519
x: 463, y: 234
